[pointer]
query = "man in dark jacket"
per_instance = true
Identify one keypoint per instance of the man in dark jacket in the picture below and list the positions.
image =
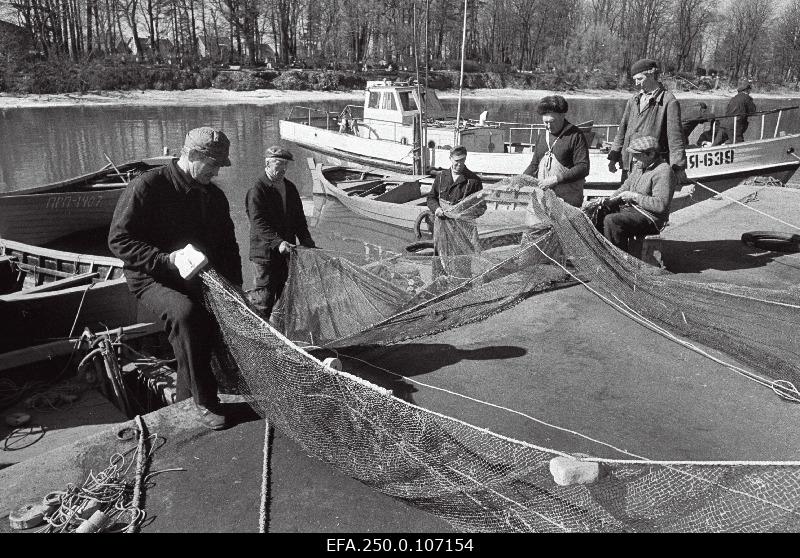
(454, 232)
(740, 105)
(277, 223)
(655, 112)
(158, 214)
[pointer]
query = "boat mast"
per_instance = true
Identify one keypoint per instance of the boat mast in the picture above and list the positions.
(461, 80)
(420, 164)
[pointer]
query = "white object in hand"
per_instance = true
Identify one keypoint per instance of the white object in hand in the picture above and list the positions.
(284, 247)
(190, 261)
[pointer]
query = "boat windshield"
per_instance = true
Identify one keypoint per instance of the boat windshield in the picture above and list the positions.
(407, 101)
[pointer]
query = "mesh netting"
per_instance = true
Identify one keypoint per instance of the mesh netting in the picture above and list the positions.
(473, 478)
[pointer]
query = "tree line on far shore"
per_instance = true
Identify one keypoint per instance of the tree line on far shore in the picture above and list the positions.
(75, 45)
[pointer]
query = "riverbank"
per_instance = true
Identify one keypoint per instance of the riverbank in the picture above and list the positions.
(204, 97)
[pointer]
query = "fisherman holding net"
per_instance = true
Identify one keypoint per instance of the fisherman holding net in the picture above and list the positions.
(561, 161)
(456, 200)
(641, 205)
(167, 221)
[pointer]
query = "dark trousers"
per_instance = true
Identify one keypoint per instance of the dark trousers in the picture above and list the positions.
(625, 224)
(269, 280)
(190, 330)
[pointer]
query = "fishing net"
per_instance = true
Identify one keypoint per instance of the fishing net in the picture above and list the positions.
(471, 477)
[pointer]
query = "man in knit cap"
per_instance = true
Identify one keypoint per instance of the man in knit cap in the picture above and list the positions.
(158, 214)
(654, 112)
(277, 223)
(740, 105)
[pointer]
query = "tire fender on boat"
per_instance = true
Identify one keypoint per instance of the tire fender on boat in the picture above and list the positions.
(426, 216)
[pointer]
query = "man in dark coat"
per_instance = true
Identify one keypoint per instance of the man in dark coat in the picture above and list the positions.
(455, 234)
(740, 105)
(277, 223)
(158, 214)
(654, 112)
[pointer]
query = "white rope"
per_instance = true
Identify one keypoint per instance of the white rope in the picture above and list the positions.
(266, 469)
(745, 205)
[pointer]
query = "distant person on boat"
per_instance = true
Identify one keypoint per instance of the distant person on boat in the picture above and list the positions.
(739, 106)
(158, 214)
(713, 135)
(277, 224)
(655, 112)
(698, 119)
(455, 234)
(561, 160)
(641, 205)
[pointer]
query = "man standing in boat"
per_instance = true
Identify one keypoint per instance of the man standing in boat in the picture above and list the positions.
(739, 106)
(654, 112)
(277, 223)
(454, 232)
(160, 213)
(561, 161)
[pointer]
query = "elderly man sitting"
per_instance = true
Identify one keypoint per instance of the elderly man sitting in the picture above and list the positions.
(642, 202)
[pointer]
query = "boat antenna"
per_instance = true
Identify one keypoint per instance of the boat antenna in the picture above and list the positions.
(427, 54)
(461, 80)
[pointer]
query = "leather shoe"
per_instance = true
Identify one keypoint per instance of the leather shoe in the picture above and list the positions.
(209, 418)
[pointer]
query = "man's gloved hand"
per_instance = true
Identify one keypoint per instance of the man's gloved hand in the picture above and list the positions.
(172, 257)
(188, 261)
(628, 196)
(285, 247)
(440, 213)
(614, 157)
(680, 173)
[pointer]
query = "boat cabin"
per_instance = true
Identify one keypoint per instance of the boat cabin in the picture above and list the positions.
(389, 111)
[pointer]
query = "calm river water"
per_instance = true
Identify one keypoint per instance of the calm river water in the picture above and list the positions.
(41, 145)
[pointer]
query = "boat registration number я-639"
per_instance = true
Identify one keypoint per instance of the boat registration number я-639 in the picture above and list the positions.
(711, 159)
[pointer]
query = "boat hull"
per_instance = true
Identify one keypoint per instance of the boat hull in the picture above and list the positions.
(767, 157)
(47, 304)
(40, 215)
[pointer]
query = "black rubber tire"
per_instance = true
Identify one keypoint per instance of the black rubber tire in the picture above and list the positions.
(772, 240)
(426, 216)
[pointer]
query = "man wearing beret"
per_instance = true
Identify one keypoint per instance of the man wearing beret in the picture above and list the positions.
(641, 205)
(158, 214)
(740, 105)
(654, 112)
(277, 223)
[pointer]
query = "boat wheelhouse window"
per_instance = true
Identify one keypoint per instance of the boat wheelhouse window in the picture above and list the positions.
(407, 101)
(374, 99)
(387, 101)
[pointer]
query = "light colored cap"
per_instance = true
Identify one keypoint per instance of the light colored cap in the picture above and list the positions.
(210, 142)
(278, 152)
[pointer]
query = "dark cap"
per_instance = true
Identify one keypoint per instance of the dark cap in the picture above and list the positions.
(210, 142)
(643, 65)
(458, 153)
(278, 152)
(642, 144)
(744, 85)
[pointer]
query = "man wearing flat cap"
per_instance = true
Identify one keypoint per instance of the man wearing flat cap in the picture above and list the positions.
(160, 213)
(455, 234)
(654, 112)
(740, 105)
(641, 205)
(277, 224)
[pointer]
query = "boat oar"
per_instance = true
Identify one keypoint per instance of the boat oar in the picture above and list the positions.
(116, 170)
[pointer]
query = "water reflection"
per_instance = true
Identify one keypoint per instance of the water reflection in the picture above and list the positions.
(42, 145)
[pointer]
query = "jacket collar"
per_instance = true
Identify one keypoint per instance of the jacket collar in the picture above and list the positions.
(656, 98)
(267, 181)
(182, 181)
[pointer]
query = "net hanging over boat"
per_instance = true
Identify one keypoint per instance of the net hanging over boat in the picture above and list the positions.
(473, 478)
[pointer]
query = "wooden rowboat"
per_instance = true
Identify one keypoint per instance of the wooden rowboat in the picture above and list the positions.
(41, 214)
(401, 199)
(47, 295)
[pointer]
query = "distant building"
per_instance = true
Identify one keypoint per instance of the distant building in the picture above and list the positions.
(15, 40)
